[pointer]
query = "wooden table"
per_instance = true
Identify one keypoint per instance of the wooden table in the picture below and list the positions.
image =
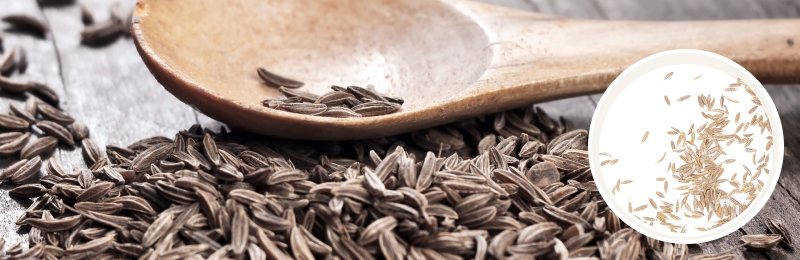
(110, 90)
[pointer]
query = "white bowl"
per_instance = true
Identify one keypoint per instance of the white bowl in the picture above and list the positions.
(635, 104)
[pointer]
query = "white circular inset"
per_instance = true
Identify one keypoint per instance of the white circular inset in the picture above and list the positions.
(686, 146)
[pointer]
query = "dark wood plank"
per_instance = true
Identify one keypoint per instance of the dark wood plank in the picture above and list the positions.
(42, 67)
(781, 8)
(783, 205)
(516, 4)
(727, 242)
(679, 10)
(785, 201)
(108, 88)
(208, 122)
(586, 9)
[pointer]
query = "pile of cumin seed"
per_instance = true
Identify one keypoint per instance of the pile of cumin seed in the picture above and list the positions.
(488, 192)
(352, 101)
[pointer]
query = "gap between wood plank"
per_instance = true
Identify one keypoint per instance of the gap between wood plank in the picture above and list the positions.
(596, 6)
(58, 154)
(781, 185)
(55, 48)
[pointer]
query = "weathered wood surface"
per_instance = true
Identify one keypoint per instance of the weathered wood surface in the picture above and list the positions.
(43, 67)
(109, 89)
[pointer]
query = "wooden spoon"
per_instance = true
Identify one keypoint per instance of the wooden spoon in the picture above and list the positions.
(449, 59)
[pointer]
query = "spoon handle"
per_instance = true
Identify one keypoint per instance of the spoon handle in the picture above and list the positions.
(566, 57)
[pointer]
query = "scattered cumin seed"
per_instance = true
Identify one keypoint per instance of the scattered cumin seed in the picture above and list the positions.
(749, 90)
(662, 158)
(731, 99)
(729, 161)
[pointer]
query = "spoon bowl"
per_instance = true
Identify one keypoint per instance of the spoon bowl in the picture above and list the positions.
(448, 59)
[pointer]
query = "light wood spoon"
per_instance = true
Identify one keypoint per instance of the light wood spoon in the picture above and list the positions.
(449, 59)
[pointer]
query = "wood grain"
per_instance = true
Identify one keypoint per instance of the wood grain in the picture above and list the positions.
(110, 90)
(42, 67)
(516, 4)
(781, 8)
(587, 9)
